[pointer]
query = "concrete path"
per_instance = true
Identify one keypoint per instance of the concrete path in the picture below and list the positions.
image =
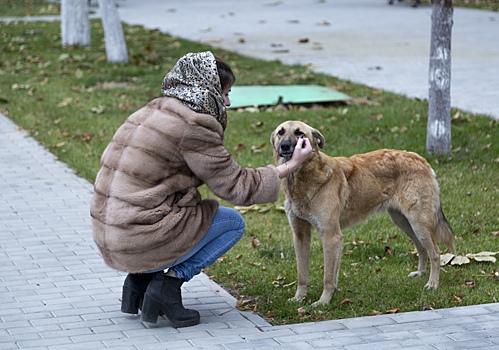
(365, 41)
(56, 293)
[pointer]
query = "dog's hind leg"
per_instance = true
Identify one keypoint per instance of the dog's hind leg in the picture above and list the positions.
(423, 234)
(425, 231)
(401, 221)
(301, 239)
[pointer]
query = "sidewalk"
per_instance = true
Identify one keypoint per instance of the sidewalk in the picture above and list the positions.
(57, 294)
(365, 41)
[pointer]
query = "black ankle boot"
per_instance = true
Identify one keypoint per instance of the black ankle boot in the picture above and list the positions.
(163, 293)
(134, 288)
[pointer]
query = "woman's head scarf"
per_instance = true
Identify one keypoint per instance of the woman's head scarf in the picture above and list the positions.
(194, 80)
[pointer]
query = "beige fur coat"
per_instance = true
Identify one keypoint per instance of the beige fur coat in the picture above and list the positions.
(146, 209)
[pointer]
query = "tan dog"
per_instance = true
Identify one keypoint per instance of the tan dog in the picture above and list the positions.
(333, 193)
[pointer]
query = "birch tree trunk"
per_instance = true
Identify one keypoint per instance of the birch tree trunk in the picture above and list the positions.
(438, 136)
(75, 25)
(116, 50)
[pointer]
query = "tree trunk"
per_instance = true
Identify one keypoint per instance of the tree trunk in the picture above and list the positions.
(438, 137)
(75, 25)
(116, 50)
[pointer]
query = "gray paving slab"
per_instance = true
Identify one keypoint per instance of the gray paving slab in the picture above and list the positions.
(55, 291)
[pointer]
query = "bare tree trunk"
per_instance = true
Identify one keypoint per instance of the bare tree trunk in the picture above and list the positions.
(75, 25)
(116, 50)
(438, 137)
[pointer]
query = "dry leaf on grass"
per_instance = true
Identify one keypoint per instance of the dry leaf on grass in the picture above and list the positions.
(66, 102)
(255, 242)
(245, 303)
(395, 310)
(445, 259)
(460, 260)
(346, 301)
(483, 256)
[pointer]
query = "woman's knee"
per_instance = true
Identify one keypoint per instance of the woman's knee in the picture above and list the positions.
(235, 216)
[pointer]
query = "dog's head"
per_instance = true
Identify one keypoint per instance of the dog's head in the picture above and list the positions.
(286, 135)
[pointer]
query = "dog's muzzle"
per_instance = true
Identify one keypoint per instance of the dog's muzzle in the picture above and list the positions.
(286, 149)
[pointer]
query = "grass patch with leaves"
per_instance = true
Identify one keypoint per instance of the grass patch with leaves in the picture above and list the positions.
(72, 102)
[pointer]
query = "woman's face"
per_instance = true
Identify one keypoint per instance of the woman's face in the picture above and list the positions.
(225, 94)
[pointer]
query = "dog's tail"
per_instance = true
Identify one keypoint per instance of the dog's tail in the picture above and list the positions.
(444, 233)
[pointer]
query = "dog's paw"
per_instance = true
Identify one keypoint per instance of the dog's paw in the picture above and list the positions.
(297, 299)
(431, 285)
(324, 299)
(319, 303)
(416, 274)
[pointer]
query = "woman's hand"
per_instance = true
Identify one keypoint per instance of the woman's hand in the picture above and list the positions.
(301, 153)
(303, 150)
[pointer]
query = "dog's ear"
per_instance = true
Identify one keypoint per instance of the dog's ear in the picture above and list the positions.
(319, 138)
(272, 138)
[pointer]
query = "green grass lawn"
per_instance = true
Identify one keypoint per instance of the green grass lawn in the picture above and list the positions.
(72, 102)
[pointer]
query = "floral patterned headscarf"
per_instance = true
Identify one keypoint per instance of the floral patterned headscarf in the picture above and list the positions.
(194, 80)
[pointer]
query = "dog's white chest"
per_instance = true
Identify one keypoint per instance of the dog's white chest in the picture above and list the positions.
(301, 211)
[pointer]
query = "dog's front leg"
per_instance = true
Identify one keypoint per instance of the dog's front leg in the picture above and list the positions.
(301, 239)
(332, 243)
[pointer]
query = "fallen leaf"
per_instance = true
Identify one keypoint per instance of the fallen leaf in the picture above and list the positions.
(483, 256)
(323, 23)
(255, 242)
(279, 281)
(456, 116)
(460, 260)
(63, 57)
(65, 102)
(20, 87)
(388, 250)
(99, 109)
(393, 311)
(446, 258)
(245, 303)
(346, 301)
(470, 284)
(84, 137)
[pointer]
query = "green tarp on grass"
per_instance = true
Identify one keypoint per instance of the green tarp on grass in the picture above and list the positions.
(248, 96)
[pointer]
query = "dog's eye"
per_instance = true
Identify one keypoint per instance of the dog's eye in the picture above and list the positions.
(281, 132)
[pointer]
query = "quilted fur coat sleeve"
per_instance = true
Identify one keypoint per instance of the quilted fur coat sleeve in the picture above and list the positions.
(146, 209)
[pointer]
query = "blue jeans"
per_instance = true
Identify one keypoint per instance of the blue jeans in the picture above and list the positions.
(225, 231)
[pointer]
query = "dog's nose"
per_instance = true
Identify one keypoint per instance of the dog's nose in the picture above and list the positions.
(286, 149)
